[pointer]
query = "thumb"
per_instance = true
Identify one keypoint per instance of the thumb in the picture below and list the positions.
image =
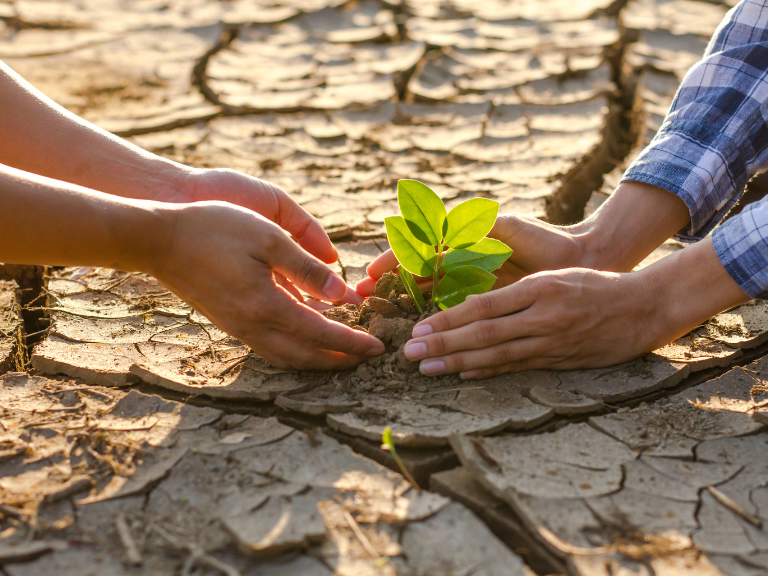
(306, 271)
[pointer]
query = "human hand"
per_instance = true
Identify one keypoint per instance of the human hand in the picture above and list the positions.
(576, 318)
(563, 319)
(260, 196)
(228, 263)
(267, 199)
(536, 246)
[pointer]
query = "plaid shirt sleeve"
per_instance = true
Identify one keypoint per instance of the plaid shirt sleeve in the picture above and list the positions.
(714, 139)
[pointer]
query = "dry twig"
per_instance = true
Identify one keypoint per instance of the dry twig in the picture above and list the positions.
(131, 549)
(360, 535)
(733, 506)
(197, 554)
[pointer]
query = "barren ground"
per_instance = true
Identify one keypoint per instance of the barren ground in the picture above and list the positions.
(137, 438)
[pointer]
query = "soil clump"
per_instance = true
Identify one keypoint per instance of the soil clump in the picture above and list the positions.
(390, 316)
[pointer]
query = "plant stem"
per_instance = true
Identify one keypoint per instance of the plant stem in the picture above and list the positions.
(436, 274)
(403, 469)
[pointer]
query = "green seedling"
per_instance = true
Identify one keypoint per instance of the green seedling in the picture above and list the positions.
(389, 445)
(430, 242)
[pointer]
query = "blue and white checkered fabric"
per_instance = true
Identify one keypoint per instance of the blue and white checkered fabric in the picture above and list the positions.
(714, 139)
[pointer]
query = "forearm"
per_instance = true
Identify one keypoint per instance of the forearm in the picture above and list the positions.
(41, 137)
(686, 289)
(633, 222)
(50, 222)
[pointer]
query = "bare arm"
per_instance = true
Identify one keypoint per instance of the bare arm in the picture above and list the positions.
(220, 258)
(41, 137)
(46, 221)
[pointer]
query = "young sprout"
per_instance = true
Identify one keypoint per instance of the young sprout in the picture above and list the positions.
(419, 238)
(388, 444)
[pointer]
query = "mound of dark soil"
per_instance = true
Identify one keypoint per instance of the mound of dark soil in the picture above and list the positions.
(390, 316)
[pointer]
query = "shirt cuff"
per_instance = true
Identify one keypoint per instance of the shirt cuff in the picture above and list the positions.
(699, 165)
(741, 243)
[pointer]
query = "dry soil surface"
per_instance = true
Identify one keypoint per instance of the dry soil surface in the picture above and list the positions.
(137, 438)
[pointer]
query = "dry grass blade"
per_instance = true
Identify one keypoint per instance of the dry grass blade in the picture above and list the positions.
(360, 535)
(126, 538)
(729, 503)
(197, 554)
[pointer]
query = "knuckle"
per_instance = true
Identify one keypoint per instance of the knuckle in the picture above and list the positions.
(456, 363)
(502, 355)
(438, 345)
(540, 284)
(481, 305)
(485, 332)
(273, 241)
(311, 273)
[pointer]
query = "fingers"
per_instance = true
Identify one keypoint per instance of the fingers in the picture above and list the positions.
(351, 297)
(303, 226)
(492, 304)
(384, 263)
(317, 331)
(283, 350)
(366, 286)
(480, 334)
(281, 280)
(520, 354)
(318, 305)
(302, 269)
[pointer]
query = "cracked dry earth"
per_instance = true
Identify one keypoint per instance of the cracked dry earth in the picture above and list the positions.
(137, 438)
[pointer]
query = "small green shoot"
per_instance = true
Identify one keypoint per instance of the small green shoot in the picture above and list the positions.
(389, 445)
(427, 241)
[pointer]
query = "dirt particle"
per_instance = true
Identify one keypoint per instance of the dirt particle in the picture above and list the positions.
(392, 331)
(387, 284)
(385, 308)
(365, 373)
(346, 314)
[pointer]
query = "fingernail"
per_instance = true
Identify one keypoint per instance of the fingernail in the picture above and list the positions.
(432, 367)
(376, 349)
(335, 289)
(415, 350)
(422, 330)
(470, 374)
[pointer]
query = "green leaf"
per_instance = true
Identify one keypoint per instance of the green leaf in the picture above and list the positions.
(460, 282)
(487, 254)
(470, 222)
(415, 256)
(413, 290)
(422, 209)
